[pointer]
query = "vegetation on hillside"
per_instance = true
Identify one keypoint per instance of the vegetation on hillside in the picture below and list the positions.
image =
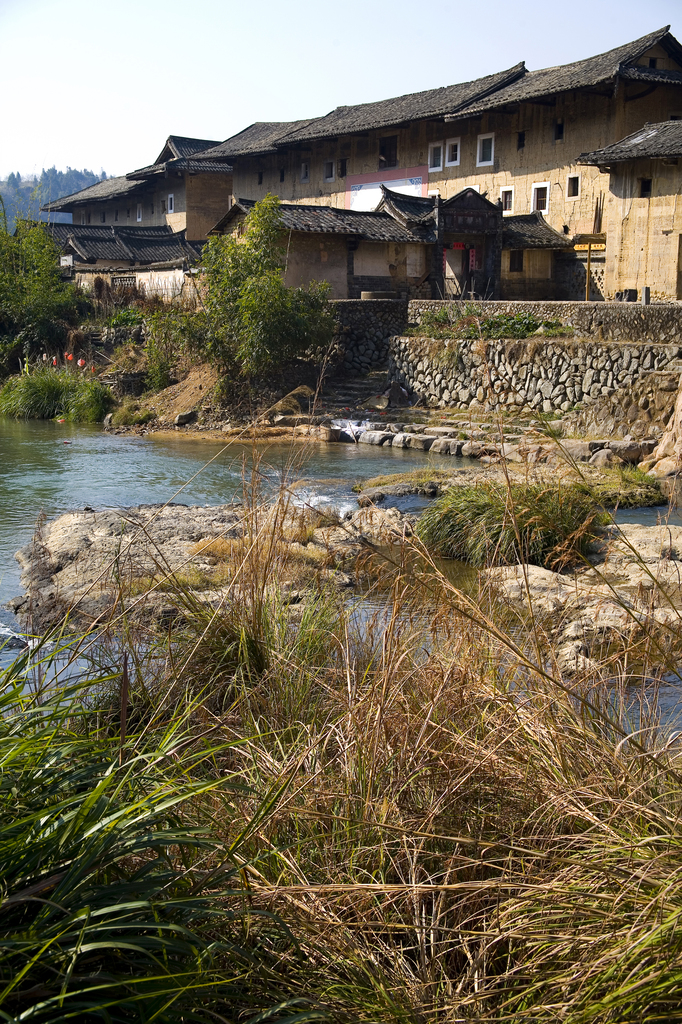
(22, 197)
(467, 321)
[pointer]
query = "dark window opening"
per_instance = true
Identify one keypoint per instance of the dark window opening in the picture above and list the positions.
(541, 200)
(260, 177)
(573, 186)
(566, 229)
(343, 167)
(516, 261)
(329, 170)
(88, 218)
(115, 215)
(507, 199)
(653, 61)
(645, 188)
(128, 214)
(151, 207)
(520, 140)
(558, 131)
(281, 174)
(388, 151)
(103, 217)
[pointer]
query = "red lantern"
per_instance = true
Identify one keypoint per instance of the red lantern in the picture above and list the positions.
(54, 360)
(81, 363)
(70, 357)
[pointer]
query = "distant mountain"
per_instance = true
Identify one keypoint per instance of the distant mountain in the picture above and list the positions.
(23, 197)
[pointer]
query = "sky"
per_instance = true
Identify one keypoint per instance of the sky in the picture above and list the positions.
(101, 85)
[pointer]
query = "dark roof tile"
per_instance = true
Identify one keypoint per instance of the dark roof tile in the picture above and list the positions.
(110, 188)
(127, 245)
(660, 140)
(531, 231)
(260, 137)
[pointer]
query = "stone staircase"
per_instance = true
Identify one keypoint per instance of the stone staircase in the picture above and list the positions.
(347, 398)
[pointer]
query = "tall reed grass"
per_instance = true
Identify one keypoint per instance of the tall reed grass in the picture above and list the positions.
(46, 393)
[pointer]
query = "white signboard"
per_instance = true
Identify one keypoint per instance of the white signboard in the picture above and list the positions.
(368, 196)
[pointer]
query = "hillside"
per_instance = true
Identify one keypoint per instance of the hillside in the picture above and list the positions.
(23, 197)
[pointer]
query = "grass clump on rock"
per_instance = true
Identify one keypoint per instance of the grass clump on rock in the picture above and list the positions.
(496, 524)
(46, 394)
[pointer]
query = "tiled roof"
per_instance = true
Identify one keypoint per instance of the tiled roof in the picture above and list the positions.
(410, 107)
(663, 139)
(181, 147)
(110, 188)
(261, 137)
(660, 76)
(128, 245)
(579, 75)
(182, 164)
(531, 231)
(374, 227)
(407, 209)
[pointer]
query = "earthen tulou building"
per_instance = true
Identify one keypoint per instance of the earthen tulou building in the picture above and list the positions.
(495, 188)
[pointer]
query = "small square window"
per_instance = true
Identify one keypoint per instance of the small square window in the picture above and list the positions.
(516, 261)
(645, 188)
(103, 217)
(171, 203)
(305, 171)
(540, 201)
(558, 131)
(507, 197)
(436, 156)
(573, 186)
(388, 151)
(329, 170)
(343, 167)
(520, 140)
(485, 152)
(281, 174)
(139, 212)
(452, 153)
(653, 61)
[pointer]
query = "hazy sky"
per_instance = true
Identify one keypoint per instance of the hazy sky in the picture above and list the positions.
(101, 85)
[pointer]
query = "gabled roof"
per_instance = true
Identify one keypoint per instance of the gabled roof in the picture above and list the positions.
(261, 137)
(179, 147)
(330, 220)
(110, 188)
(582, 74)
(409, 210)
(653, 141)
(531, 231)
(127, 245)
(414, 106)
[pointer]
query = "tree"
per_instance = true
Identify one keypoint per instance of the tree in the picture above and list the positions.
(252, 317)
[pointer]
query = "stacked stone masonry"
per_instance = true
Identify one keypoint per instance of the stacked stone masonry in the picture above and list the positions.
(365, 329)
(536, 373)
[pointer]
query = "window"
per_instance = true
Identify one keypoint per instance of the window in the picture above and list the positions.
(171, 203)
(652, 62)
(305, 171)
(507, 197)
(516, 261)
(645, 188)
(343, 167)
(540, 201)
(573, 186)
(329, 170)
(164, 208)
(139, 212)
(260, 177)
(281, 174)
(115, 215)
(675, 117)
(151, 208)
(485, 151)
(452, 153)
(88, 218)
(388, 151)
(103, 217)
(83, 218)
(128, 214)
(520, 140)
(436, 156)
(558, 131)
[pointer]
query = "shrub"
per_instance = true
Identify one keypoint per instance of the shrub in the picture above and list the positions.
(129, 317)
(46, 393)
(471, 323)
(546, 525)
(129, 413)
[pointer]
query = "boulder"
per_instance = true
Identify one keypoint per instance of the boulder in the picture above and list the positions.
(628, 451)
(400, 440)
(375, 437)
(183, 418)
(605, 458)
(422, 442)
(441, 446)
(378, 402)
(398, 397)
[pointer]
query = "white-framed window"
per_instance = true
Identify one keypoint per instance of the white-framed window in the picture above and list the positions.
(507, 198)
(305, 171)
(170, 203)
(452, 153)
(573, 186)
(436, 156)
(485, 150)
(139, 212)
(329, 170)
(540, 196)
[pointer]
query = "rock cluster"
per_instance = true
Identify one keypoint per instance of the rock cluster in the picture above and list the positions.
(365, 330)
(639, 409)
(544, 375)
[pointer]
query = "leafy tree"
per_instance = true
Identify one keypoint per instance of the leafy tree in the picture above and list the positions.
(36, 306)
(251, 316)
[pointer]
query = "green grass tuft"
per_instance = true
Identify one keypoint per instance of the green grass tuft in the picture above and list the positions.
(546, 525)
(46, 394)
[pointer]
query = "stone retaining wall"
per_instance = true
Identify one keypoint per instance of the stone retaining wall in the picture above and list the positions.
(364, 332)
(610, 321)
(544, 374)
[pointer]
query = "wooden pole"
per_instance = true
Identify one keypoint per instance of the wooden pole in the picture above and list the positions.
(588, 275)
